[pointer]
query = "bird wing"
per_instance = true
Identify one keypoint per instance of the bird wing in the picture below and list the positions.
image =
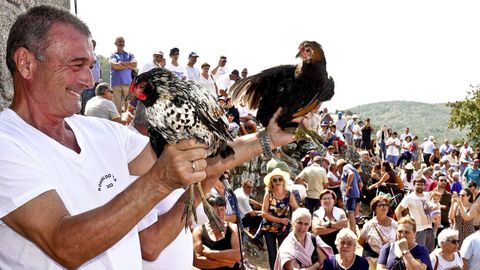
(209, 111)
(253, 88)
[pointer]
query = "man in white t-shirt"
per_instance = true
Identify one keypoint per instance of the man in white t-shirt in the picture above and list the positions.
(193, 73)
(250, 218)
(224, 82)
(157, 61)
(428, 147)
(66, 195)
(470, 251)
(417, 205)
(348, 133)
(340, 123)
(102, 105)
(393, 148)
(220, 70)
(175, 67)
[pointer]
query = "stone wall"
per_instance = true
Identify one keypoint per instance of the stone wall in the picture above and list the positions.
(9, 9)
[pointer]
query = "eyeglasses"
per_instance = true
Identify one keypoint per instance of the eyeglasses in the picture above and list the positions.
(454, 241)
(276, 179)
(383, 205)
(249, 187)
(348, 243)
(327, 198)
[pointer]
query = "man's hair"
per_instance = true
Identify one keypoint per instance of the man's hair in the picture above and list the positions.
(216, 200)
(408, 220)
(30, 31)
(102, 88)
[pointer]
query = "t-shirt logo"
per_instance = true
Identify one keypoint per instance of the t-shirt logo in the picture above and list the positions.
(106, 181)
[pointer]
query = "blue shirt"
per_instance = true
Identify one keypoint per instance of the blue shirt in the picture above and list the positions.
(387, 256)
(354, 190)
(472, 174)
(118, 77)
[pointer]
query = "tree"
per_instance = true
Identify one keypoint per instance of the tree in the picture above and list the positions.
(105, 66)
(465, 114)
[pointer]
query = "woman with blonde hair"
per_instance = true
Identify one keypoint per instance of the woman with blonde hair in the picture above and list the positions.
(346, 243)
(301, 249)
(277, 204)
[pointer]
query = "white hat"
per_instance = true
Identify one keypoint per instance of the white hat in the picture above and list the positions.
(409, 166)
(276, 171)
(354, 116)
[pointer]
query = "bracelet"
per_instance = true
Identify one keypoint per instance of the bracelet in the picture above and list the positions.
(265, 143)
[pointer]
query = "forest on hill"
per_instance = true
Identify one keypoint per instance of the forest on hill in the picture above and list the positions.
(423, 119)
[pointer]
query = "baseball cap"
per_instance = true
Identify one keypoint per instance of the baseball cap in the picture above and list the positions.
(158, 53)
(193, 54)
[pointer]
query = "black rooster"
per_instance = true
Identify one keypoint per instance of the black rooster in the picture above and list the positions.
(177, 110)
(298, 89)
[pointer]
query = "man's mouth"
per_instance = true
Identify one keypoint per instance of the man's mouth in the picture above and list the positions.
(74, 93)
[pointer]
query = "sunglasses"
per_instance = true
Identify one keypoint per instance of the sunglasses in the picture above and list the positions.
(383, 205)
(453, 241)
(276, 179)
(348, 243)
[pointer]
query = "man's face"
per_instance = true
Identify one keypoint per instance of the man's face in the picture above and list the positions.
(442, 181)
(60, 80)
(419, 186)
(192, 60)
(248, 188)
(223, 61)
(157, 58)
(120, 43)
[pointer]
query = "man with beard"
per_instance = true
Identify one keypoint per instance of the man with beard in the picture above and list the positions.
(417, 205)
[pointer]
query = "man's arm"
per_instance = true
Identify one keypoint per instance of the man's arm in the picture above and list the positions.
(73, 240)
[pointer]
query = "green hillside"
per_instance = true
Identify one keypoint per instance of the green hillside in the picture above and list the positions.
(423, 119)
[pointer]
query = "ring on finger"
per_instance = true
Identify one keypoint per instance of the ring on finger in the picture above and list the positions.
(193, 166)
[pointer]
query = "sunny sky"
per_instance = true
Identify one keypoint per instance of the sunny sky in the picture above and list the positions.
(426, 51)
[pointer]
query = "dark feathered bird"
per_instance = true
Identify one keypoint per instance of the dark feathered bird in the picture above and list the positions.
(178, 110)
(297, 88)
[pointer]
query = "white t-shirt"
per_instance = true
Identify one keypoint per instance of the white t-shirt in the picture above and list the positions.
(340, 124)
(357, 132)
(338, 213)
(471, 250)
(178, 254)
(418, 208)
(148, 66)
(99, 106)
(221, 71)
(243, 202)
(193, 73)
(224, 82)
(209, 84)
(444, 264)
(428, 147)
(331, 175)
(393, 150)
(33, 163)
(179, 70)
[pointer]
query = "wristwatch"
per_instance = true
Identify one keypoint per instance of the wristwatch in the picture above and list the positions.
(405, 252)
(265, 143)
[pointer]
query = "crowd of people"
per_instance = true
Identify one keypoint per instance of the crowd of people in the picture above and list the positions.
(76, 196)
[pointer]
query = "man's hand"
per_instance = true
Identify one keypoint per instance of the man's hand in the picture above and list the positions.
(181, 164)
(277, 136)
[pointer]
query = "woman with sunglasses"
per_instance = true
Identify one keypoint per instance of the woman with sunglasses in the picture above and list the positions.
(328, 220)
(447, 256)
(460, 214)
(378, 231)
(346, 243)
(276, 208)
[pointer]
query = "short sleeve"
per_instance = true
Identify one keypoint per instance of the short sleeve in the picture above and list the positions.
(21, 177)
(405, 202)
(383, 256)
(466, 250)
(111, 110)
(134, 142)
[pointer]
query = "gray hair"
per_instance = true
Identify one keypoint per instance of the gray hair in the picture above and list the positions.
(345, 233)
(299, 213)
(246, 181)
(31, 30)
(102, 88)
(445, 234)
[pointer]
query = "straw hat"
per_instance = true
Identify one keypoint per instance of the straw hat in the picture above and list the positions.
(341, 162)
(276, 172)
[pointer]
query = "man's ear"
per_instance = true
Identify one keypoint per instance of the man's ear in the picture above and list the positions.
(26, 62)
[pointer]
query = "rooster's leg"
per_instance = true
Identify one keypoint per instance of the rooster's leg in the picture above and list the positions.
(189, 208)
(213, 218)
(302, 133)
